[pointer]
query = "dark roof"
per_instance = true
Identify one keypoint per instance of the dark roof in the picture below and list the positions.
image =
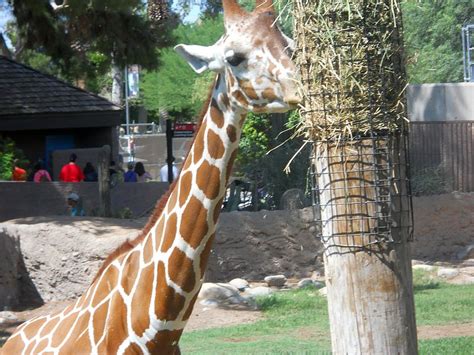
(24, 90)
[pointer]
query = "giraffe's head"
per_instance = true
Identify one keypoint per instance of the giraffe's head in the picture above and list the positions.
(254, 57)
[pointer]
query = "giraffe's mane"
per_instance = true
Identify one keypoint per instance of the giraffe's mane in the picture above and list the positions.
(160, 205)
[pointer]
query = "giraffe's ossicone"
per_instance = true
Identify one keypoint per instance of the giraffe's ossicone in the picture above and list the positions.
(143, 295)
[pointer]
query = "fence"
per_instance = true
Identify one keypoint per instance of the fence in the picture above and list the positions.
(447, 145)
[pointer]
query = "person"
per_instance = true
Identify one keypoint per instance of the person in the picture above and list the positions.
(164, 171)
(18, 174)
(90, 174)
(142, 175)
(75, 205)
(71, 172)
(130, 175)
(40, 174)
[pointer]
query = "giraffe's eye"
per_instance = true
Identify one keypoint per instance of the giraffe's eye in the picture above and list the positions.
(235, 59)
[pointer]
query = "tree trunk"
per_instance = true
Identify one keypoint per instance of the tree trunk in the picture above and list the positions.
(117, 84)
(365, 211)
(104, 182)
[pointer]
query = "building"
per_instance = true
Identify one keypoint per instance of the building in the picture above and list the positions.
(43, 114)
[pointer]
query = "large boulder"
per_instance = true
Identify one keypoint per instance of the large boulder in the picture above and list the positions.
(59, 255)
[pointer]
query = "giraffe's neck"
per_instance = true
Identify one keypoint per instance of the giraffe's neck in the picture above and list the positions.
(161, 277)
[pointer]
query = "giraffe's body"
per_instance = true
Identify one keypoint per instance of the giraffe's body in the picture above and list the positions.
(141, 299)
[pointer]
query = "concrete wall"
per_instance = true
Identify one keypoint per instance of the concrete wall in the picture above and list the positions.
(441, 102)
(26, 199)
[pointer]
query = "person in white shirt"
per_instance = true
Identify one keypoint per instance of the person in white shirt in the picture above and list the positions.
(164, 171)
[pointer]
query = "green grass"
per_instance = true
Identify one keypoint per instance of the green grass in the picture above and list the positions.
(297, 322)
(447, 346)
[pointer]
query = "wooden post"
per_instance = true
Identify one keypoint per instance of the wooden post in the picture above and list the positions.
(104, 182)
(368, 277)
(352, 68)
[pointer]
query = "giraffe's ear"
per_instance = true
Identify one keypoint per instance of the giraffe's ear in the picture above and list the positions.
(200, 58)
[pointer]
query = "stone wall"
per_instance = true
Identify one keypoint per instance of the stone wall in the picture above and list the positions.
(27, 199)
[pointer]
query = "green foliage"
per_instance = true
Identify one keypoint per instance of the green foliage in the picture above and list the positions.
(432, 33)
(171, 86)
(8, 153)
(266, 147)
(254, 142)
(80, 40)
(430, 181)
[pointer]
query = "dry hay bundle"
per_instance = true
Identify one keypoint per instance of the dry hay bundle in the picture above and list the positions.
(350, 54)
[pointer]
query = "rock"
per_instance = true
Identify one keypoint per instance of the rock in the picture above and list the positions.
(275, 280)
(468, 262)
(466, 253)
(416, 262)
(305, 283)
(448, 273)
(308, 282)
(259, 291)
(323, 291)
(469, 270)
(240, 284)
(424, 267)
(218, 291)
(8, 317)
(463, 280)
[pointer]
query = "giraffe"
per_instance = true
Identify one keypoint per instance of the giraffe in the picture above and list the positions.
(144, 293)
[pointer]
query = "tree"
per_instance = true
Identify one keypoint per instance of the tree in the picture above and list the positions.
(175, 86)
(432, 31)
(84, 38)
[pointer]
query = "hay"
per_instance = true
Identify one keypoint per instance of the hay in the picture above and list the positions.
(350, 54)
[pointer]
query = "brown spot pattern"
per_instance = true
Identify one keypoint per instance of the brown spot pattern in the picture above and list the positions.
(117, 326)
(159, 232)
(108, 281)
(185, 187)
(269, 94)
(141, 301)
(232, 133)
(196, 216)
(130, 271)
(239, 96)
(208, 179)
(148, 250)
(216, 114)
(199, 144)
(170, 233)
(99, 318)
(224, 99)
(40, 346)
(215, 145)
(180, 270)
(49, 327)
(172, 200)
(162, 343)
(168, 303)
(132, 349)
(247, 87)
(61, 332)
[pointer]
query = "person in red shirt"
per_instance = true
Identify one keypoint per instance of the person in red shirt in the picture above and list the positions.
(71, 172)
(18, 174)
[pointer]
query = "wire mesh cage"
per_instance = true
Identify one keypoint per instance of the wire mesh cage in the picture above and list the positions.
(352, 68)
